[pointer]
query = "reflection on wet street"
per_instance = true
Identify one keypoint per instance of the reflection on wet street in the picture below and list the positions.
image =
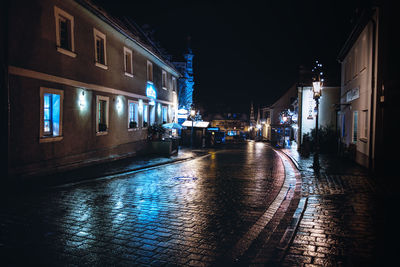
(186, 213)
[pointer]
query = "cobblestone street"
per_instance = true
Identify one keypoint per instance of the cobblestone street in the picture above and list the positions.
(246, 205)
(187, 213)
(340, 225)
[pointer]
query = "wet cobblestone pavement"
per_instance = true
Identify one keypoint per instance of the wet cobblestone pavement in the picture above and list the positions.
(342, 219)
(188, 213)
(243, 206)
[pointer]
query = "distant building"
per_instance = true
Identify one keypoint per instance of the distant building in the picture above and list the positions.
(327, 117)
(234, 125)
(83, 86)
(293, 114)
(186, 84)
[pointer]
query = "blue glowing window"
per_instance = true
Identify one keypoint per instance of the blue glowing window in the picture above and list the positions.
(51, 114)
(164, 114)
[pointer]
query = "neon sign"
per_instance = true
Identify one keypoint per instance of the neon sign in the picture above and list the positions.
(150, 91)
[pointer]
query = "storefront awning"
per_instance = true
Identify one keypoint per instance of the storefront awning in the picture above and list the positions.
(199, 124)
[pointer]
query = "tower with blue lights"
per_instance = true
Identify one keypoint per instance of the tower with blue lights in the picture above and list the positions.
(186, 82)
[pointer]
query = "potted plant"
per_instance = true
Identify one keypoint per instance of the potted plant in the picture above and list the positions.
(155, 131)
(102, 127)
(132, 124)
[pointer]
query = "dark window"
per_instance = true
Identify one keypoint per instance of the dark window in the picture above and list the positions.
(65, 33)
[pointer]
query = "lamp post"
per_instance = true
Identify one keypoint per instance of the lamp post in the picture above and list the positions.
(284, 119)
(192, 116)
(317, 92)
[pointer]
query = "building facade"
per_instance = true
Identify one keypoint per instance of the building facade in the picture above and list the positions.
(327, 116)
(370, 88)
(82, 86)
(358, 92)
(185, 85)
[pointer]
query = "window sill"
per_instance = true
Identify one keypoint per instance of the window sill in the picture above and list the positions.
(364, 140)
(128, 74)
(48, 139)
(101, 66)
(101, 133)
(132, 129)
(66, 52)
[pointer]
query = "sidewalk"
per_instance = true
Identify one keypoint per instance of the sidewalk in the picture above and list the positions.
(109, 168)
(342, 223)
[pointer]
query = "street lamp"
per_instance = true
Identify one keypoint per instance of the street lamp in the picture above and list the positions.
(284, 119)
(192, 116)
(317, 92)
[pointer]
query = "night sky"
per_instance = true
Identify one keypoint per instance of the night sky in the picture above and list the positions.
(246, 50)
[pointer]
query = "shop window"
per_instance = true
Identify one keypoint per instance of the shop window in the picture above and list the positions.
(164, 114)
(145, 115)
(152, 111)
(102, 109)
(51, 106)
(133, 115)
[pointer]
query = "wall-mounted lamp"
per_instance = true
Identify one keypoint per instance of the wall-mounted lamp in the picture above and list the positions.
(82, 100)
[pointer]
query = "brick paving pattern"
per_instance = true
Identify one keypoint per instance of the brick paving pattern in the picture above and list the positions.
(340, 224)
(190, 213)
(198, 212)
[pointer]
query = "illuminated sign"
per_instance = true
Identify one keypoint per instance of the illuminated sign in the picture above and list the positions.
(353, 94)
(183, 111)
(150, 91)
(200, 124)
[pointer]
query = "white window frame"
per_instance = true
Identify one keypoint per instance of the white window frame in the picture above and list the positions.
(50, 138)
(128, 51)
(151, 73)
(164, 80)
(58, 14)
(98, 34)
(137, 115)
(107, 99)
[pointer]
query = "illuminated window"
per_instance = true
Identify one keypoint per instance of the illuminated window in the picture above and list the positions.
(149, 71)
(51, 104)
(128, 66)
(145, 115)
(102, 107)
(152, 113)
(355, 126)
(100, 49)
(133, 117)
(164, 80)
(164, 114)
